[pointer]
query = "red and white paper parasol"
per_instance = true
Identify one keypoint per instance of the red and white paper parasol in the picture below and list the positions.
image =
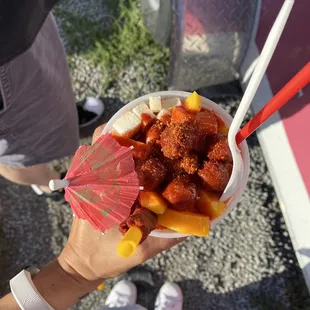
(101, 185)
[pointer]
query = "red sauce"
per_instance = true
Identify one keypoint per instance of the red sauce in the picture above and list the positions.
(146, 121)
(160, 227)
(141, 150)
(140, 137)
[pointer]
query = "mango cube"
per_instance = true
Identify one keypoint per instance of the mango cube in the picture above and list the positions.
(210, 205)
(153, 201)
(222, 129)
(185, 222)
(193, 103)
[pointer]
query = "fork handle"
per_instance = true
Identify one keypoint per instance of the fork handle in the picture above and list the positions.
(299, 81)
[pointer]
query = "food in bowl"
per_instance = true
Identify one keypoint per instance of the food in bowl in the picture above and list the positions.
(183, 163)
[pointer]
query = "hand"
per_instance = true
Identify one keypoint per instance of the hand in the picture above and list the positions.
(93, 255)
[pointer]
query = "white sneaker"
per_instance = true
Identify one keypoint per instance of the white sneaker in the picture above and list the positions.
(170, 297)
(124, 293)
(89, 110)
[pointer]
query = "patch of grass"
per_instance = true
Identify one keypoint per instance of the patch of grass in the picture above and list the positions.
(114, 42)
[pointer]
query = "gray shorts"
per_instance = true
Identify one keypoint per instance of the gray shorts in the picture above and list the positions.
(38, 115)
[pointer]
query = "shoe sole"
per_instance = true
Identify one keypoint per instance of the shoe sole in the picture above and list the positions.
(90, 122)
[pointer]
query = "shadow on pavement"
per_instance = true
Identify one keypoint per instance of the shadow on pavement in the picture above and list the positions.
(252, 296)
(260, 295)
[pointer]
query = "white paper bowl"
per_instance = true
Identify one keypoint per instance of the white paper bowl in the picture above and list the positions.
(167, 233)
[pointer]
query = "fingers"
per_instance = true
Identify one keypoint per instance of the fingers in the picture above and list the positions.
(97, 133)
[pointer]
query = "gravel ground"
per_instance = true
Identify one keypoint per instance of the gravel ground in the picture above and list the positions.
(247, 262)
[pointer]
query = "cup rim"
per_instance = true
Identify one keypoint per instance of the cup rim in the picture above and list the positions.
(209, 104)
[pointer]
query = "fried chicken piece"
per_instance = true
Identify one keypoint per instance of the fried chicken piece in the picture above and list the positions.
(151, 173)
(141, 151)
(169, 146)
(173, 167)
(215, 175)
(219, 149)
(142, 218)
(202, 145)
(189, 163)
(179, 115)
(182, 194)
(206, 123)
(153, 134)
(178, 140)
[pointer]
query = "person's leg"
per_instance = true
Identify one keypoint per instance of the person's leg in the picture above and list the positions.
(39, 175)
(38, 119)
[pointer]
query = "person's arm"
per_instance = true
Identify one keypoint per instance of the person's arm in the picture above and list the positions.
(87, 259)
(8, 303)
(59, 287)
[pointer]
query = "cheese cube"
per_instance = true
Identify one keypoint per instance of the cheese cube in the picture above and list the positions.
(170, 103)
(155, 104)
(127, 125)
(142, 108)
